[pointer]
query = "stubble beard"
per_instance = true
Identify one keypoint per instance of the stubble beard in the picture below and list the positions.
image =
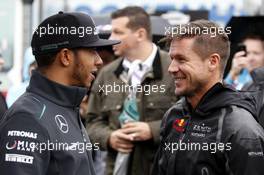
(196, 87)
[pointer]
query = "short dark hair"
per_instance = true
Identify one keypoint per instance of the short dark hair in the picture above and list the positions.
(138, 18)
(46, 60)
(254, 37)
(205, 44)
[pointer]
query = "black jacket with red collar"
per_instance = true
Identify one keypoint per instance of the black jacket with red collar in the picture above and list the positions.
(219, 137)
(41, 134)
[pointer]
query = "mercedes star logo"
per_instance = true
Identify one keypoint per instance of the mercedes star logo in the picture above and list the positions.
(62, 123)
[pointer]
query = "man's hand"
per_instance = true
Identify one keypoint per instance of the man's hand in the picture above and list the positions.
(238, 63)
(120, 141)
(140, 131)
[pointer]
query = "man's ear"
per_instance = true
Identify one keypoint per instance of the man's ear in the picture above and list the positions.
(214, 62)
(65, 57)
(141, 34)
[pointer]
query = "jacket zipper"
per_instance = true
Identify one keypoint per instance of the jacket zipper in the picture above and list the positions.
(185, 129)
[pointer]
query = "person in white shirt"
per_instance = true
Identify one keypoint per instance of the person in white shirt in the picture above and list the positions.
(126, 121)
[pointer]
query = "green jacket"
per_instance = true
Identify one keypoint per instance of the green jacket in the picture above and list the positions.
(104, 109)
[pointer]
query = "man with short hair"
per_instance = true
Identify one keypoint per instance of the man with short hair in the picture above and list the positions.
(42, 133)
(211, 129)
(126, 120)
(244, 62)
(255, 64)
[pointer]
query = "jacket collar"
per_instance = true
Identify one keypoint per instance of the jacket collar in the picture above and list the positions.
(205, 104)
(68, 96)
(157, 69)
(221, 96)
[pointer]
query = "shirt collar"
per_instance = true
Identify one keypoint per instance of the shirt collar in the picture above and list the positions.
(148, 62)
(156, 67)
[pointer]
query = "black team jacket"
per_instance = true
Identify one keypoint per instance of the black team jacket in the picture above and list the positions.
(42, 134)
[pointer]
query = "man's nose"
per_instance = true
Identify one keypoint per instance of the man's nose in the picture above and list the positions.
(98, 61)
(173, 67)
(113, 36)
